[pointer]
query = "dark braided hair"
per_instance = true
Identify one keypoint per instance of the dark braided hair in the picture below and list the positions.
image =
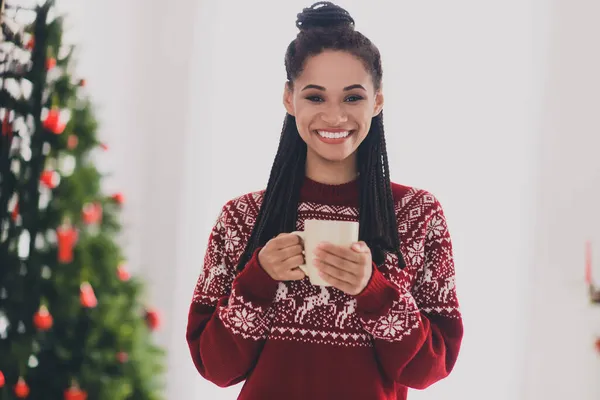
(326, 26)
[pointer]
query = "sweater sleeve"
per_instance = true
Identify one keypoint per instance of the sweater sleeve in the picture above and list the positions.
(417, 332)
(228, 318)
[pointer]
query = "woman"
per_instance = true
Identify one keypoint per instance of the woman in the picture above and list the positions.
(390, 320)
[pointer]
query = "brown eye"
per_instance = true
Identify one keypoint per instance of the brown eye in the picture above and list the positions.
(314, 99)
(353, 99)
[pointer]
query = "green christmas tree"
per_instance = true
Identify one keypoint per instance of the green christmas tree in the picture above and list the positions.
(73, 324)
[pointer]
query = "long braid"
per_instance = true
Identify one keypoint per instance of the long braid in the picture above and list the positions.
(389, 209)
(378, 226)
(279, 211)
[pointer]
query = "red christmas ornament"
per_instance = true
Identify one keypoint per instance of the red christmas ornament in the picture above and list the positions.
(6, 125)
(87, 295)
(50, 63)
(123, 273)
(75, 393)
(53, 122)
(152, 319)
(122, 357)
(15, 212)
(118, 198)
(92, 213)
(72, 142)
(21, 388)
(82, 82)
(30, 43)
(2, 380)
(67, 237)
(50, 179)
(42, 319)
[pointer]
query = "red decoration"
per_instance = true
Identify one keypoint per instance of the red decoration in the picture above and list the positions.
(50, 63)
(82, 82)
(50, 179)
(118, 198)
(122, 272)
(53, 122)
(42, 319)
(6, 125)
(2, 380)
(598, 344)
(87, 296)
(30, 43)
(152, 319)
(75, 393)
(72, 142)
(21, 388)
(104, 146)
(92, 213)
(15, 212)
(67, 237)
(122, 357)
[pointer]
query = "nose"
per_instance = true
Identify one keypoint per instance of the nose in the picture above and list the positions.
(334, 115)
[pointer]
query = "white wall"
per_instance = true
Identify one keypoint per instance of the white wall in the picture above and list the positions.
(562, 362)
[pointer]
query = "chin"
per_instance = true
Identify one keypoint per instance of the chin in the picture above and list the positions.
(335, 157)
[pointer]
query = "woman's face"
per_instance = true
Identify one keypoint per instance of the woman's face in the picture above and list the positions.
(333, 100)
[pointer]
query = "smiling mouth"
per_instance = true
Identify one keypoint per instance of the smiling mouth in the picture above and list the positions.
(336, 136)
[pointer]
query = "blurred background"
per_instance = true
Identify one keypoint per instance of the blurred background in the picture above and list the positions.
(493, 106)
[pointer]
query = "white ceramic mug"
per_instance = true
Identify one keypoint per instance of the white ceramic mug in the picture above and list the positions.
(341, 233)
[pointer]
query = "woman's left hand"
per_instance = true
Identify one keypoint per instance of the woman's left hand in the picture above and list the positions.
(348, 269)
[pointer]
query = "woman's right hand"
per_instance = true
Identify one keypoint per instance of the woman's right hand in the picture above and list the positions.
(281, 256)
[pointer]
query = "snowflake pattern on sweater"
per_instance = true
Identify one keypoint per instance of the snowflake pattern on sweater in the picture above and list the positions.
(305, 313)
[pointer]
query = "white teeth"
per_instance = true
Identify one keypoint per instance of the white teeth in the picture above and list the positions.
(334, 135)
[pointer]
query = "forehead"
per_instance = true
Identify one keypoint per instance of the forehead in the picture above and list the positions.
(334, 70)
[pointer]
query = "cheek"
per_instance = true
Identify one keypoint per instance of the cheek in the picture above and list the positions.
(304, 117)
(363, 118)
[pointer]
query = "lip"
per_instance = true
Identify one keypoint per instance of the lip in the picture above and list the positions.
(334, 130)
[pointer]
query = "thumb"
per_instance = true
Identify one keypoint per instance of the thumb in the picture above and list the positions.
(360, 247)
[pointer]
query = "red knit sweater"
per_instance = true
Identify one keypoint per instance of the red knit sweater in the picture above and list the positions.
(293, 340)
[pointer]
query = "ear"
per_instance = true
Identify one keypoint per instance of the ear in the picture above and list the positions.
(378, 103)
(288, 98)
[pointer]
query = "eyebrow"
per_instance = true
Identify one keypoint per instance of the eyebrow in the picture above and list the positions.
(356, 86)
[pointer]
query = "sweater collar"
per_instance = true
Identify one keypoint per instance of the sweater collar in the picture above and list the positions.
(345, 194)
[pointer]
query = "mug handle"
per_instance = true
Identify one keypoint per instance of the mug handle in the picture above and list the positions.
(303, 266)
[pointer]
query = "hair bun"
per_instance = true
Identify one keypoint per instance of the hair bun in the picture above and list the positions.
(324, 14)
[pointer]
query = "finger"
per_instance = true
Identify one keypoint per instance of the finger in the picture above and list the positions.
(343, 286)
(361, 247)
(272, 244)
(295, 275)
(286, 240)
(345, 253)
(336, 261)
(289, 252)
(293, 262)
(337, 273)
